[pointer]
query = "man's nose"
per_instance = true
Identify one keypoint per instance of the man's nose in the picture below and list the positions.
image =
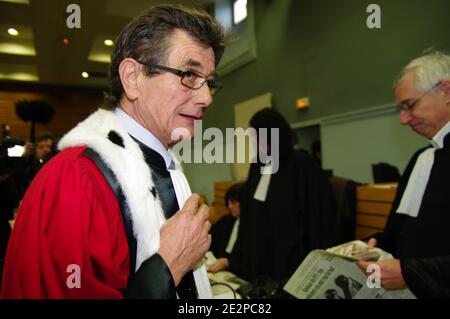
(405, 117)
(204, 96)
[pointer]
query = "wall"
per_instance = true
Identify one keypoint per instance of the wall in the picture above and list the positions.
(306, 136)
(351, 143)
(323, 49)
(71, 105)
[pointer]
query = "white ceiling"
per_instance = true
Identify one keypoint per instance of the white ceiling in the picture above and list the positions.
(38, 54)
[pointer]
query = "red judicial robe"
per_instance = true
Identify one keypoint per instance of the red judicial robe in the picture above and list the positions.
(69, 216)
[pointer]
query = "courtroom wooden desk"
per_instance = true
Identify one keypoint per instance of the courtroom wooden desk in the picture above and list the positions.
(373, 205)
(218, 208)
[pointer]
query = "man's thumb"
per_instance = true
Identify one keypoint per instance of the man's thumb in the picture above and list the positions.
(372, 243)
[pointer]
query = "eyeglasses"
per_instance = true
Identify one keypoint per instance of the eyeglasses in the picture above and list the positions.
(409, 105)
(191, 79)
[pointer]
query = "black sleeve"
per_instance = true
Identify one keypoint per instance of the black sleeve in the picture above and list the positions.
(235, 258)
(220, 233)
(153, 280)
(427, 277)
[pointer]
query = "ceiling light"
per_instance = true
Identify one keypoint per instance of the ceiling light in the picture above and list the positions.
(17, 48)
(17, 1)
(108, 42)
(18, 72)
(85, 75)
(100, 57)
(13, 32)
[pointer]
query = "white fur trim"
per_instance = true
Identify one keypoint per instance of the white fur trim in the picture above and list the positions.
(130, 169)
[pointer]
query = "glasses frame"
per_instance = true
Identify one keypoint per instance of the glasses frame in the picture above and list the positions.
(409, 105)
(214, 85)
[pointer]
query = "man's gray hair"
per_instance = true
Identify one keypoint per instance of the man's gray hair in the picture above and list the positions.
(429, 70)
(147, 39)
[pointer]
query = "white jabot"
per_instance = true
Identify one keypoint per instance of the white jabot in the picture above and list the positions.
(233, 237)
(263, 184)
(180, 185)
(417, 183)
(183, 191)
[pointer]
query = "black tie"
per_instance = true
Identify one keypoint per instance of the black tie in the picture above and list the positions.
(166, 192)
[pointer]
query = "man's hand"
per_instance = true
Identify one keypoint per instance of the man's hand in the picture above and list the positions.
(185, 238)
(219, 265)
(391, 273)
(372, 243)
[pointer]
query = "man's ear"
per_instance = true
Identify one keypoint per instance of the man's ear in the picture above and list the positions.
(129, 71)
(445, 88)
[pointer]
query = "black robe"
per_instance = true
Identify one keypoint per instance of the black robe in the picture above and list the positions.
(297, 217)
(221, 233)
(423, 244)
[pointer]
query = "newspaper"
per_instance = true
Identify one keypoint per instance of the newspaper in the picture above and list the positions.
(333, 274)
(224, 283)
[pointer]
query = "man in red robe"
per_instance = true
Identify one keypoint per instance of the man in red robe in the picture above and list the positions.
(108, 216)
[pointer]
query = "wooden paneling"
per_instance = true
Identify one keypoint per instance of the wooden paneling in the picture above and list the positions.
(218, 209)
(373, 205)
(375, 208)
(376, 221)
(377, 193)
(71, 105)
(365, 232)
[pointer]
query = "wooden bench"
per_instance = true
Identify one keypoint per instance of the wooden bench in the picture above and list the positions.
(373, 205)
(218, 208)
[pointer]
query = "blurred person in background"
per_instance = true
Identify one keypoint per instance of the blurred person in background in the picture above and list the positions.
(285, 214)
(224, 232)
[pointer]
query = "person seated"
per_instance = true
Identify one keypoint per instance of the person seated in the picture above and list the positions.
(224, 232)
